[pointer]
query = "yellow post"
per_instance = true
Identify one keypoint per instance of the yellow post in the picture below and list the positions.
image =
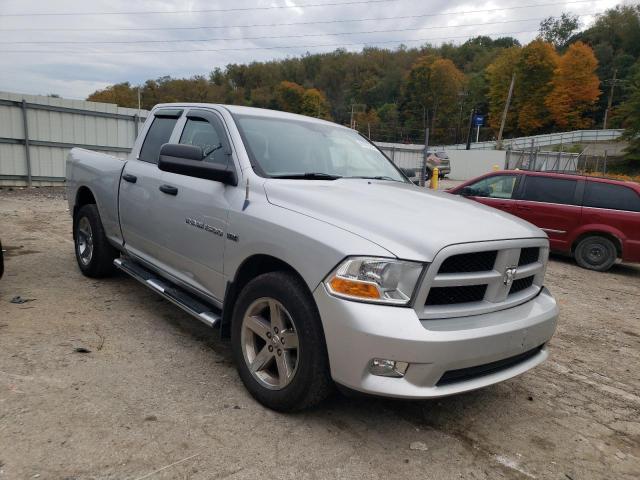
(496, 168)
(434, 179)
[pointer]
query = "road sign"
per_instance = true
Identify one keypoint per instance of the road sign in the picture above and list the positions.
(478, 120)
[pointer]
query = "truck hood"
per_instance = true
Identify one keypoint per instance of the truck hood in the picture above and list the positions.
(408, 221)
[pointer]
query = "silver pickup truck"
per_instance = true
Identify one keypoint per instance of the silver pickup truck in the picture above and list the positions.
(299, 240)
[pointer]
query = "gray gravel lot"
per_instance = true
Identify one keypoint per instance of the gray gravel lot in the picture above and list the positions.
(157, 396)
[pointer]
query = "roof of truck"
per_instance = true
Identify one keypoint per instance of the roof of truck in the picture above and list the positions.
(240, 110)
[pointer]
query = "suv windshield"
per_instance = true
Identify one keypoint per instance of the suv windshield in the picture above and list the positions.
(312, 151)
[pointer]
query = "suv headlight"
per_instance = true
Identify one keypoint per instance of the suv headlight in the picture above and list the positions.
(378, 280)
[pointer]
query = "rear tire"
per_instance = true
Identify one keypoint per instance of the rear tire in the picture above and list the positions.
(278, 343)
(94, 253)
(596, 253)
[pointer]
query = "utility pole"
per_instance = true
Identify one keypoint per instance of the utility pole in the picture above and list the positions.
(504, 113)
(423, 170)
(608, 110)
(351, 123)
(473, 113)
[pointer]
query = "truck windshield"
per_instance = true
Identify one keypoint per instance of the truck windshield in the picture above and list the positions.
(312, 151)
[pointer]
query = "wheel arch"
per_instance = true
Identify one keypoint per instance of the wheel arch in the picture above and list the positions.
(249, 269)
(598, 233)
(84, 196)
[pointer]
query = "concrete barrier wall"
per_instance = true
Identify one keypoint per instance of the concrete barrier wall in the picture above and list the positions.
(467, 164)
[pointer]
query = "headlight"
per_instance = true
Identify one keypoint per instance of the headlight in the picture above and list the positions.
(378, 280)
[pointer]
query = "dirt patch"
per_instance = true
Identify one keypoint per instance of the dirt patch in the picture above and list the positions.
(153, 393)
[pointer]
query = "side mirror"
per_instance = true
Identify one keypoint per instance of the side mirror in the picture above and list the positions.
(467, 192)
(187, 160)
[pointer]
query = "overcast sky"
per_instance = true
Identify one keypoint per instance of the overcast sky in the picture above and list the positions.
(151, 45)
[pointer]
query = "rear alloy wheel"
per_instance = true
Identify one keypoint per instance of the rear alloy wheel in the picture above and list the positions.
(596, 253)
(278, 343)
(94, 253)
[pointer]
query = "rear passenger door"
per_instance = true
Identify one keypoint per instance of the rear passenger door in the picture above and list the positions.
(139, 189)
(553, 204)
(193, 213)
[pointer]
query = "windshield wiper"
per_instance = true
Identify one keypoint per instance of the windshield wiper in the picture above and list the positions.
(308, 176)
(379, 177)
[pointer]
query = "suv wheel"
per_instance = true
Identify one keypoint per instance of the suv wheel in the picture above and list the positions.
(94, 253)
(596, 253)
(278, 343)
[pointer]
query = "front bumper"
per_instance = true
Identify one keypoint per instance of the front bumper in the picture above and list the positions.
(358, 332)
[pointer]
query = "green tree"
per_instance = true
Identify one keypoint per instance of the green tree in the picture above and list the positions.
(557, 31)
(629, 113)
(498, 76)
(315, 104)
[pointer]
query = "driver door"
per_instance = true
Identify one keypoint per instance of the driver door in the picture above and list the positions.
(495, 191)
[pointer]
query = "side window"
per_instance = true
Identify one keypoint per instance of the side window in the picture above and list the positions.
(615, 197)
(158, 134)
(500, 186)
(203, 134)
(551, 190)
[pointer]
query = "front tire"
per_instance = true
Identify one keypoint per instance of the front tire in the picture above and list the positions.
(94, 253)
(596, 253)
(278, 343)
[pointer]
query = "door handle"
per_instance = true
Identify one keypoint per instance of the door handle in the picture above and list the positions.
(526, 209)
(168, 189)
(127, 177)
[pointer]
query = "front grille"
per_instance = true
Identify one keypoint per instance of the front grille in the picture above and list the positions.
(469, 262)
(452, 295)
(469, 373)
(462, 281)
(521, 284)
(528, 256)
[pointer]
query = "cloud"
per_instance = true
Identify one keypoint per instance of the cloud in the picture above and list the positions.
(77, 65)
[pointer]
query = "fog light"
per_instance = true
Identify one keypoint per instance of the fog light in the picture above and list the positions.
(387, 368)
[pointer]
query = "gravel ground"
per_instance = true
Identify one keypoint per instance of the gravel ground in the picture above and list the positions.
(156, 395)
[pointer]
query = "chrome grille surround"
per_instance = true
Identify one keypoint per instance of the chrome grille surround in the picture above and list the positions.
(497, 296)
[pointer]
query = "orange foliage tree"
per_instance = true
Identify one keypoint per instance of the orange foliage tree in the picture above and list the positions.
(575, 88)
(534, 71)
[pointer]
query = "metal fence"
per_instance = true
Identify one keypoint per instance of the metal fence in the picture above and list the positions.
(537, 160)
(563, 138)
(36, 133)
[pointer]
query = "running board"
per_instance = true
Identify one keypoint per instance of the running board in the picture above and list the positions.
(176, 295)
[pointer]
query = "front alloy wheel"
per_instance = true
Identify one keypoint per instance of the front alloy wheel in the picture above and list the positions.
(270, 343)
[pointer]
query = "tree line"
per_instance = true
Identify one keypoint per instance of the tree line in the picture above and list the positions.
(563, 81)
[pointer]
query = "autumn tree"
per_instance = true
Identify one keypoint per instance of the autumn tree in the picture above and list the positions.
(121, 94)
(315, 104)
(575, 88)
(432, 90)
(288, 96)
(534, 71)
(499, 74)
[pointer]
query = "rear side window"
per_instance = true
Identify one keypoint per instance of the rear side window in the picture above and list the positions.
(551, 190)
(158, 134)
(615, 197)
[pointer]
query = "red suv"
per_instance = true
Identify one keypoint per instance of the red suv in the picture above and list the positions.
(594, 219)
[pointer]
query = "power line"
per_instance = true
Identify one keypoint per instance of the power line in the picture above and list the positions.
(205, 27)
(280, 47)
(206, 10)
(361, 32)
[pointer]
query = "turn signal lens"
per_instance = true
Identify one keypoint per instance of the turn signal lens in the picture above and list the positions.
(354, 288)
